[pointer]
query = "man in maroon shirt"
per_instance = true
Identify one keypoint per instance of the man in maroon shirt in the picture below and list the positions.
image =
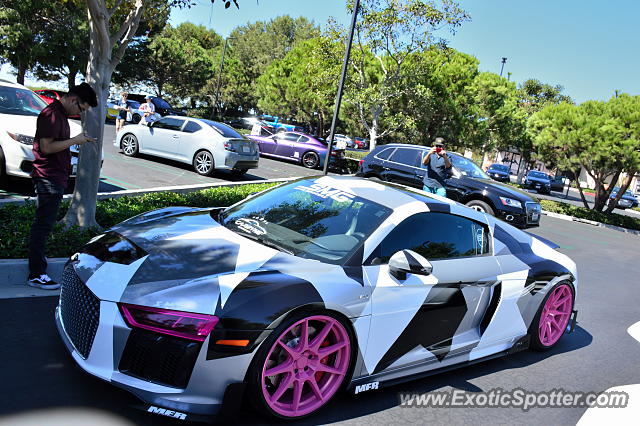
(51, 170)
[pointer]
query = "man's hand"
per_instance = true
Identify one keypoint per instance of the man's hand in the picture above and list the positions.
(83, 138)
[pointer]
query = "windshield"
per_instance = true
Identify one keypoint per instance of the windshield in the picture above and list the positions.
(538, 175)
(161, 103)
(307, 219)
(500, 167)
(223, 129)
(20, 101)
(467, 167)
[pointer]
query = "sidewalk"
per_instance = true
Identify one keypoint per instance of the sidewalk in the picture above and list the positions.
(13, 278)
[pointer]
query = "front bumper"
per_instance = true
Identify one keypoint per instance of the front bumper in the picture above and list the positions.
(204, 391)
(528, 218)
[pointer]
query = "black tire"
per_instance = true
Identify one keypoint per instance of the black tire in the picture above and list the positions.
(310, 160)
(481, 206)
(254, 373)
(536, 343)
(135, 118)
(129, 145)
(203, 163)
(239, 172)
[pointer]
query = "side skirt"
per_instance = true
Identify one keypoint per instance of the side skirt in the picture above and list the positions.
(377, 381)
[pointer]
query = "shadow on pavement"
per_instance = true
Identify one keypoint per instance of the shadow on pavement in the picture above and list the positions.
(39, 374)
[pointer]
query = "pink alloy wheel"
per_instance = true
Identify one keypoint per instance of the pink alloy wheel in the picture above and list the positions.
(555, 315)
(306, 366)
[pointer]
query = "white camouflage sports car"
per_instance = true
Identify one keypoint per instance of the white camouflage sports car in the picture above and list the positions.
(312, 286)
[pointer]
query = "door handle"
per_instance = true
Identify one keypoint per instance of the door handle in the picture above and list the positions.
(175, 136)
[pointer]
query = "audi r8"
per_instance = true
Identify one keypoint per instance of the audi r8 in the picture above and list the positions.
(304, 289)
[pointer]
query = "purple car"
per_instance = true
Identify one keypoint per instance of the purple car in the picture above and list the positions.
(310, 151)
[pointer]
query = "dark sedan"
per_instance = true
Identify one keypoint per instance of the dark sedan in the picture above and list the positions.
(310, 151)
(499, 172)
(468, 184)
(626, 201)
(539, 181)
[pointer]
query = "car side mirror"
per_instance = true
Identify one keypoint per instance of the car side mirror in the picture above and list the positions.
(408, 262)
(149, 123)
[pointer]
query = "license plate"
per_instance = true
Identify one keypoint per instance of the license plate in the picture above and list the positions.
(534, 216)
(246, 149)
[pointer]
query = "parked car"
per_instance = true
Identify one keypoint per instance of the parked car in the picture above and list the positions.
(241, 122)
(49, 96)
(340, 138)
(207, 145)
(162, 107)
(499, 172)
(112, 111)
(310, 151)
(626, 201)
(539, 181)
(558, 182)
(361, 143)
(290, 295)
(19, 109)
(276, 125)
(469, 184)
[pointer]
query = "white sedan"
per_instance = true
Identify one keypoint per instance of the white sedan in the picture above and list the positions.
(207, 145)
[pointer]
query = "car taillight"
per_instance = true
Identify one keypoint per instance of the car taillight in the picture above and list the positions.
(229, 146)
(361, 161)
(187, 325)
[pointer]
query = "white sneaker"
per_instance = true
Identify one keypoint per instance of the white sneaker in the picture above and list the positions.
(44, 282)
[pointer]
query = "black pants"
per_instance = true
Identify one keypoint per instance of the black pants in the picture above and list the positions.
(49, 196)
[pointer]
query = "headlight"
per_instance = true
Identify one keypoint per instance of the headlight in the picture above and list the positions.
(511, 202)
(27, 140)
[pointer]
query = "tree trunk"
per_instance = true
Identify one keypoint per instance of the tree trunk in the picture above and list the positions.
(22, 71)
(625, 185)
(71, 78)
(373, 130)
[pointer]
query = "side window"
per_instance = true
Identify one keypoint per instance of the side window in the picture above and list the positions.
(169, 124)
(406, 156)
(435, 236)
(385, 153)
(291, 137)
(191, 127)
(303, 139)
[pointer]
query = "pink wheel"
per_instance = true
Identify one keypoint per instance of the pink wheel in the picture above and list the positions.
(554, 316)
(305, 366)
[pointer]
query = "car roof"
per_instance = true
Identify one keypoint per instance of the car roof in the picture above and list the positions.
(12, 84)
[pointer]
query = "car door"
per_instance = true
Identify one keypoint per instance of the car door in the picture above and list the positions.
(166, 135)
(268, 144)
(402, 166)
(424, 319)
(190, 140)
(286, 144)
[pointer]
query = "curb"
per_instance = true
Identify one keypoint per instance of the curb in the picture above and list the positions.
(590, 222)
(181, 189)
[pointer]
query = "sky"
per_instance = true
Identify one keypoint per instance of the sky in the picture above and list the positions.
(590, 47)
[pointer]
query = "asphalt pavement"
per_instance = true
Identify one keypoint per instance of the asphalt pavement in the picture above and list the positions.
(39, 378)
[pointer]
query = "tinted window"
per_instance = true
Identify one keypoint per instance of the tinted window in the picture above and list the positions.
(539, 175)
(169, 123)
(223, 129)
(435, 236)
(385, 153)
(500, 167)
(303, 139)
(467, 167)
(291, 137)
(20, 101)
(192, 127)
(161, 103)
(407, 156)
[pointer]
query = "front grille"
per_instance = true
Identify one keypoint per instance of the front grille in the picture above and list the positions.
(79, 311)
(158, 358)
(533, 212)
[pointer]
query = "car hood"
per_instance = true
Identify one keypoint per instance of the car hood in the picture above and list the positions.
(178, 258)
(500, 172)
(26, 124)
(500, 189)
(536, 179)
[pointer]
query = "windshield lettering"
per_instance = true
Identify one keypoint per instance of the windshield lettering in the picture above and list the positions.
(324, 191)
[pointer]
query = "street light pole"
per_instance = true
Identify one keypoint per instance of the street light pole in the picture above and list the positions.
(502, 67)
(345, 62)
(215, 102)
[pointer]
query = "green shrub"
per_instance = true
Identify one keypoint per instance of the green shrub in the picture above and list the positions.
(582, 213)
(16, 219)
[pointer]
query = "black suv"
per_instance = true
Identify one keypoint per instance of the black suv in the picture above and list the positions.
(162, 107)
(468, 184)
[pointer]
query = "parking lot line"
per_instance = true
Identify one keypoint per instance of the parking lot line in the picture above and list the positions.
(141, 163)
(120, 182)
